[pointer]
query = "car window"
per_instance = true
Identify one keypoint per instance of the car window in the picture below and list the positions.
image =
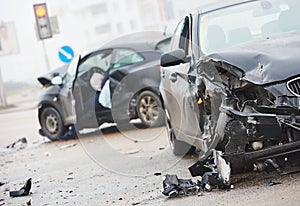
(180, 39)
(125, 57)
(163, 45)
(242, 23)
(100, 60)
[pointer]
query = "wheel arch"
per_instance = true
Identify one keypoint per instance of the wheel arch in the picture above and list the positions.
(44, 104)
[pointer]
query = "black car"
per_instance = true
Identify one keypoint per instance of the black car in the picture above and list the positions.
(231, 86)
(130, 63)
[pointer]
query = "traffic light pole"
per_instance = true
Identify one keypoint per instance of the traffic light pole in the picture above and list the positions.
(46, 56)
(3, 101)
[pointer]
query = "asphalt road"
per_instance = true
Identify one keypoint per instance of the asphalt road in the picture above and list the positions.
(109, 167)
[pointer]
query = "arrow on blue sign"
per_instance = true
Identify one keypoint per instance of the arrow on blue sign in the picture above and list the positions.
(66, 54)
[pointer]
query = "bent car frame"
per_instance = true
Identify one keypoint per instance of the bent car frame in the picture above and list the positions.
(231, 87)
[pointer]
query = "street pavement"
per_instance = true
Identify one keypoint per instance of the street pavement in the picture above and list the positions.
(112, 167)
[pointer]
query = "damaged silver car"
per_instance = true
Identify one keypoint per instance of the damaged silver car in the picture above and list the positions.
(231, 84)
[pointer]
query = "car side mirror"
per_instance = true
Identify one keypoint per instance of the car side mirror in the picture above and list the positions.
(57, 80)
(173, 58)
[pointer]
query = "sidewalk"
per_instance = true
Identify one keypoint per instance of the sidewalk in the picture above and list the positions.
(22, 101)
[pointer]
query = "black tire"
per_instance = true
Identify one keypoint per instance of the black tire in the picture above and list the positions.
(149, 109)
(179, 148)
(52, 123)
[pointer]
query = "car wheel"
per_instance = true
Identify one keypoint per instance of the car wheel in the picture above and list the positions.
(149, 109)
(52, 124)
(179, 148)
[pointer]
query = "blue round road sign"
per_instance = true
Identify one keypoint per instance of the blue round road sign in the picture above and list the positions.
(65, 54)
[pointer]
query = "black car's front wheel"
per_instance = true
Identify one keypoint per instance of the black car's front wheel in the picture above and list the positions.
(52, 123)
(149, 109)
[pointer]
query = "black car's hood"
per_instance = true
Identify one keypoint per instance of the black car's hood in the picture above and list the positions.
(45, 79)
(267, 61)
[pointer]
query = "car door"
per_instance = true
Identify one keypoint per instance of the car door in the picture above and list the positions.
(90, 74)
(66, 94)
(179, 81)
(122, 85)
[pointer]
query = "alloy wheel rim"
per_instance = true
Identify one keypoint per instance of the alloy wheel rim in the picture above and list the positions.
(149, 109)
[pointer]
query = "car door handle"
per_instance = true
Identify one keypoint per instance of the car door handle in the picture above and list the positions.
(173, 77)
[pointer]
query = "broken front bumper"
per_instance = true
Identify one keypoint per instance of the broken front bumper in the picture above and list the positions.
(278, 137)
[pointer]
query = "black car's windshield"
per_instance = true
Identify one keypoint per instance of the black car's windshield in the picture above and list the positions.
(252, 21)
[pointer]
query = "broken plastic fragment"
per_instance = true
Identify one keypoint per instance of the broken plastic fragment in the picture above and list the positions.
(215, 171)
(174, 186)
(23, 191)
(68, 145)
(20, 143)
(29, 202)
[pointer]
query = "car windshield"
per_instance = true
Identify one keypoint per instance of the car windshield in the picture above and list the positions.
(242, 23)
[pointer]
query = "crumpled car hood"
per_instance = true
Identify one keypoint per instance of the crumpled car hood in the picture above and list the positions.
(267, 61)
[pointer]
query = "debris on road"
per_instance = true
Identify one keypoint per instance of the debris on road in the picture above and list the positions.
(174, 186)
(19, 144)
(214, 173)
(47, 154)
(157, 173)
(70, 176)
(2, 183)
(29, 202)
(68, 145)
(23, 191)
(272, 183)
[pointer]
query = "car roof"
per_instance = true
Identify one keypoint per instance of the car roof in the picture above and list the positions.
(139, 41)
(207, 7)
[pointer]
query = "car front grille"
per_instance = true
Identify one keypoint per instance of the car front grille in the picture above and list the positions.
(294, 86)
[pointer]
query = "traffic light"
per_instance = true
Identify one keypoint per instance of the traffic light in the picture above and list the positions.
(42, 21)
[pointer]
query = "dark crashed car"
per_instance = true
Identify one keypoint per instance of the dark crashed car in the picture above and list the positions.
(231, 87)
(131, 63)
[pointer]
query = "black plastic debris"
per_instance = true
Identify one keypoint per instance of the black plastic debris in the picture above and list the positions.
(2, 183)
(173, 186)
(157, 173)
(19, 144)
(272, 183)
(29, 202)
(215, 171)
(23, 191)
